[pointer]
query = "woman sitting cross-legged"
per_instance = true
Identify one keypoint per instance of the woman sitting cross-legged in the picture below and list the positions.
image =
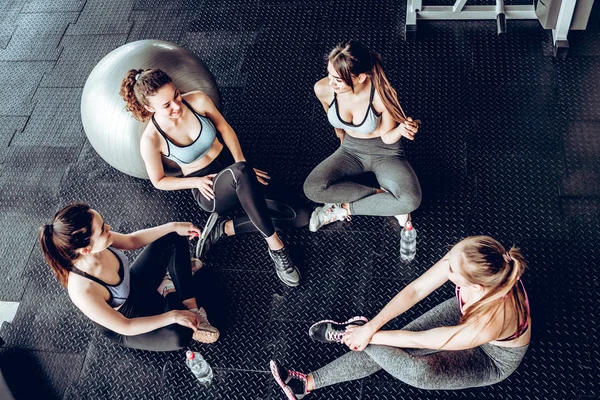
(479, 340)
(147, 305)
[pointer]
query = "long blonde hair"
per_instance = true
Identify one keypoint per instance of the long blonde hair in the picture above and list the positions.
(489, 264)
(352, 58)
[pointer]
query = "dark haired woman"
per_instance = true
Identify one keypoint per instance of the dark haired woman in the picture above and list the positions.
(479, 340)
(137, 305)
(184, 129)
(364, 110)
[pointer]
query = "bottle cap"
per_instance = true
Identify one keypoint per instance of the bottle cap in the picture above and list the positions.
(189, 355)
(408, 226)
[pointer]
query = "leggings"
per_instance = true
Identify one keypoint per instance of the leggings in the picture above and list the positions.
(147, 271)
(235, 185)
(328, 183)
(423, 368)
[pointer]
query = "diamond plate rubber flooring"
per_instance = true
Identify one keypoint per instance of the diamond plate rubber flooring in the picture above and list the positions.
(509, 147)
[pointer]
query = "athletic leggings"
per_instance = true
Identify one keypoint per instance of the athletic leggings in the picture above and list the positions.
(147, 271)
(236, 184)
(328, 183)
(424, 368)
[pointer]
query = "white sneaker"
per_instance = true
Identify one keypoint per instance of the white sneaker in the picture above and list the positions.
(402, 218)
(326, 215)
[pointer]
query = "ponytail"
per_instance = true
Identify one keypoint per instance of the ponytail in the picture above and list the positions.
(70, 230)
(387, 93)
(488, 264)
(137, 85)
(352, 58)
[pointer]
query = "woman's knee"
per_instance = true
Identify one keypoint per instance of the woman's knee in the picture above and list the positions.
(314, 187)
(241, 170)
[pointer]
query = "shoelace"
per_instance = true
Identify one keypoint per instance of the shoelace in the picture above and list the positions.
(334, 336)
(335, 213)
(285, 263)
(300, 376)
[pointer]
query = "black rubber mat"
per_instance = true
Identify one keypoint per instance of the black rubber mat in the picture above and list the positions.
(508, 147)
(79, 56)
(39, 374)
(36, 36)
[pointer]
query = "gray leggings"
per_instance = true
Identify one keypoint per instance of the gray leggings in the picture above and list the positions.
(424, 368)
(328, 183)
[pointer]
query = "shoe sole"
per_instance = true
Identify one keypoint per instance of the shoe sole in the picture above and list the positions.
(313, 216)
(288, 392)
(210, 224)
(325, 321)
(206, 337)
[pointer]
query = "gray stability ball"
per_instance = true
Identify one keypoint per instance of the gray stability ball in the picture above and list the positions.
(111, 130)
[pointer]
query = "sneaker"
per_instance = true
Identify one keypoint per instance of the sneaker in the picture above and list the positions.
(326, 215)
(286, 270)
(213, 231)
(293, 383)
(402, 218)
(206, 333)
(328, 331)
(196, 265)
(166, 285)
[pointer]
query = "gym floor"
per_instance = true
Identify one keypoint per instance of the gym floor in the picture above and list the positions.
(509, 147)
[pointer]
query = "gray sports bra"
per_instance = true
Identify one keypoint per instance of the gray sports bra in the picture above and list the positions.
(120, 291)
(195, 150)
(368, 125)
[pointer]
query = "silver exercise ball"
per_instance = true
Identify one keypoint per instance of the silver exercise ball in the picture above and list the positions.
(112, 131)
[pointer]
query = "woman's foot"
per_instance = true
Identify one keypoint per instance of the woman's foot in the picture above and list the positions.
(326, 215)
(285, 268)
(402, 219)
(213, 231)
(328, 331)
(166, 285)
(293, 383)
(206, 333)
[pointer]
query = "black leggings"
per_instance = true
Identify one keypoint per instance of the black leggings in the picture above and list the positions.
(236, 184)
(147, 271)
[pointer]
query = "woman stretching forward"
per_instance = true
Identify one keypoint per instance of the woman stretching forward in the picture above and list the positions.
(479, 341)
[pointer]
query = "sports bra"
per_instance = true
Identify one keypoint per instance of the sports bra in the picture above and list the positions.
(195, 150)
(369, 123)
(120, 291)
(522, 327)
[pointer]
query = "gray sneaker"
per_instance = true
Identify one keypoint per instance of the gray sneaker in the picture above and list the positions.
(213, 231)
(286, 270)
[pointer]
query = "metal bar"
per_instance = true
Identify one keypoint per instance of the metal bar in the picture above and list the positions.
(563, 22)
(475, 12)
(459, 5)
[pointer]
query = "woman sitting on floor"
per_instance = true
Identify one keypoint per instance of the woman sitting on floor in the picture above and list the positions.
(185, 130)
(137, 305)
(364, 110)
(479, 341)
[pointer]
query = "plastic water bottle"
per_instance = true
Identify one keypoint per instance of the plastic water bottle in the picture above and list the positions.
(199, 367)
(408, 242)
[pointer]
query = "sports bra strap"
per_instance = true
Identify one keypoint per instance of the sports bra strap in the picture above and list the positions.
(79, 272)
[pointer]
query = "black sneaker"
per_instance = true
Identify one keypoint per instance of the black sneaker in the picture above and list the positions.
(286, 270)
(213, 231)
(293, 383)
(328, 331)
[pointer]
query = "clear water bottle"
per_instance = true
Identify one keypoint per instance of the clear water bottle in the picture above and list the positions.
(199, 367)
(408, 242)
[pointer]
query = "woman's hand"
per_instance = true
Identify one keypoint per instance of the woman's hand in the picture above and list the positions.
(204, 185)
(262, 176)
(409, 128)
(187, 229)
(358, 337)
(185, 318)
